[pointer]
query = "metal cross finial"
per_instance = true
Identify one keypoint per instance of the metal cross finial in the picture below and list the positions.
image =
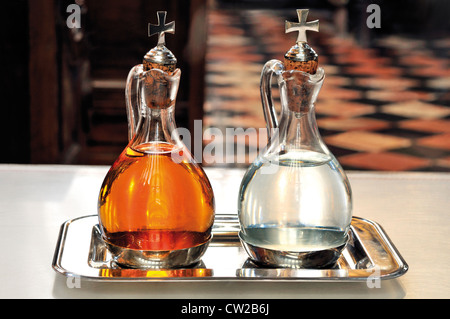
(302, 26)
(161, 28)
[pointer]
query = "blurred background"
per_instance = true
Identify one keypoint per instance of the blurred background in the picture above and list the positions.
(384, 105)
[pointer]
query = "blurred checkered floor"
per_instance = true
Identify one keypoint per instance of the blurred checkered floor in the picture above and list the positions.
(381, 108)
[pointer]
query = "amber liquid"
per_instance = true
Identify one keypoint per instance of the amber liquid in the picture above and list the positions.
(151, 200)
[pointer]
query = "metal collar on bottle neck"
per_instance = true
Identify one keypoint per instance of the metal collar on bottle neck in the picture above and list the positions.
(161, 58)
(301, 52)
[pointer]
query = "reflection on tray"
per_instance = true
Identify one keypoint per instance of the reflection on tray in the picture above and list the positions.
(100, 257)
(368, 249)
(157, 273)
(250, 269)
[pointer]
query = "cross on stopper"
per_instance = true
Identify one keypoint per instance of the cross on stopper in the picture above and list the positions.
(302, 26)
(161, 28)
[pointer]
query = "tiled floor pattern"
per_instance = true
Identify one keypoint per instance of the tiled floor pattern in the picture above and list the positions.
(381, 108)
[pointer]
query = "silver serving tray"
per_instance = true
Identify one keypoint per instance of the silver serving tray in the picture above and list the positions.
(369, 254)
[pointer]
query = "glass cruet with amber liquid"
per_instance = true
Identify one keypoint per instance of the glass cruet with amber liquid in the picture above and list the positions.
(295, 202)
(156, 205)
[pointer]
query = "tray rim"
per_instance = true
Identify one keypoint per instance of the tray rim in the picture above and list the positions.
(401, 270)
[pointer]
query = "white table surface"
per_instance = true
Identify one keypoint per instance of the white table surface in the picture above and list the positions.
(413, 208)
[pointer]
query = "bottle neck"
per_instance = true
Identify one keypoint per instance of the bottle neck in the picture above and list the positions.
(298, 126)
(155, 109)
(299, 131)
(156, 126)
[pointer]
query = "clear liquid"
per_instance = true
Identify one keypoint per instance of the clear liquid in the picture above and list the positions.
(297, 239)
(298, 201)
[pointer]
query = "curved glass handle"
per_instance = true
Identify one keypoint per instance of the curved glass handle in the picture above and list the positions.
(271, 67)
(132, 99)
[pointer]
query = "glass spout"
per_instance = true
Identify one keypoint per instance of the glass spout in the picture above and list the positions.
(158, 89)
(299, 90)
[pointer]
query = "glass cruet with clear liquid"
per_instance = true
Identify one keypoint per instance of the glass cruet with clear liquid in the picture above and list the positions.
(295, 202)
(156, 205)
